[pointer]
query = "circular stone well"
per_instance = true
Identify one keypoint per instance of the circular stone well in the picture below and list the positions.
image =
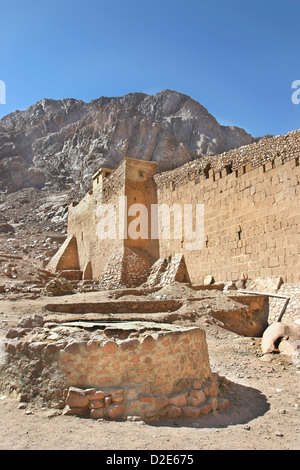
(114, 370)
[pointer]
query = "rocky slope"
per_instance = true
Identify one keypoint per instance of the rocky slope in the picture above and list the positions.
(60, 143)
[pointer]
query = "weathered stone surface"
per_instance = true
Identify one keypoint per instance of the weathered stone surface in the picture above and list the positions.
(192, 401)
(73, 347)
(89, 392)
(174, 411)
(76, 398)
(213, 401)
(190, 412)
(178, 400)
(31, 321)
(96, 395)
(117, 398)
(199, 395)
(148, 343)
(96, 404)
(59, 286)
(110, 347)
(197, 384)
(6, 228)
(97, 413)
(16, 332)
(146, 399)
(73, 411)
(161, 402)
(205, 408)
(129, 344)
(213, 389)
(107, 401)
(116, 411)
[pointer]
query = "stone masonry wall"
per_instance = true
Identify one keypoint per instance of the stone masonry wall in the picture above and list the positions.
(251, 199)
(83, 220)
(117, 371)
(133, 179)
(165, 374)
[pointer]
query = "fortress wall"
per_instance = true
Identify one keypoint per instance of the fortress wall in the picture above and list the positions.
(140, 188)
(251, 212)
(83, 221)
(251, 200)
(131, 178)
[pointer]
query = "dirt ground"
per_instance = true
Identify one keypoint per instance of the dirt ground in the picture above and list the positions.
(263, 412)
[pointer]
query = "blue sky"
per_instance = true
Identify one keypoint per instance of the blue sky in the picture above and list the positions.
(238, 58)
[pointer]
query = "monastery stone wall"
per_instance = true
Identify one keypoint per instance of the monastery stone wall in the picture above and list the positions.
(251, 199)
(83, 220)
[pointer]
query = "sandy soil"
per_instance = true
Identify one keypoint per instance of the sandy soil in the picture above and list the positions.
(263, 412)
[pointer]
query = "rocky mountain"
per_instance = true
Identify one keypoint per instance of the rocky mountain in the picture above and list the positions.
(59, 144)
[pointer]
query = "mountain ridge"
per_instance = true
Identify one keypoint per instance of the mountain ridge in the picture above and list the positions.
(60, 143)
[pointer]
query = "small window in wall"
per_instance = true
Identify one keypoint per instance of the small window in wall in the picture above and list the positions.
(206, 171)
(239, 234)
(228, 169)
(297, 161)
(141, 174)
(206, 242)
(81, 236)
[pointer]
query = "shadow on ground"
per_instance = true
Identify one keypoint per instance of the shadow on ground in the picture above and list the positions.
(246, 404)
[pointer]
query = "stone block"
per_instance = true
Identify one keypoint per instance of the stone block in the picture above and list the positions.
(197, 384)
(205, 409)
(148, 343)
(97, 413)
(96, 404)
(199, 395)
(116, 411)
(190, 412)
(178, 400)
(76, 398)
(191, 401)
(110, 347)
(146, 399)
(97, 395)
(174, 412)
(73, 411)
